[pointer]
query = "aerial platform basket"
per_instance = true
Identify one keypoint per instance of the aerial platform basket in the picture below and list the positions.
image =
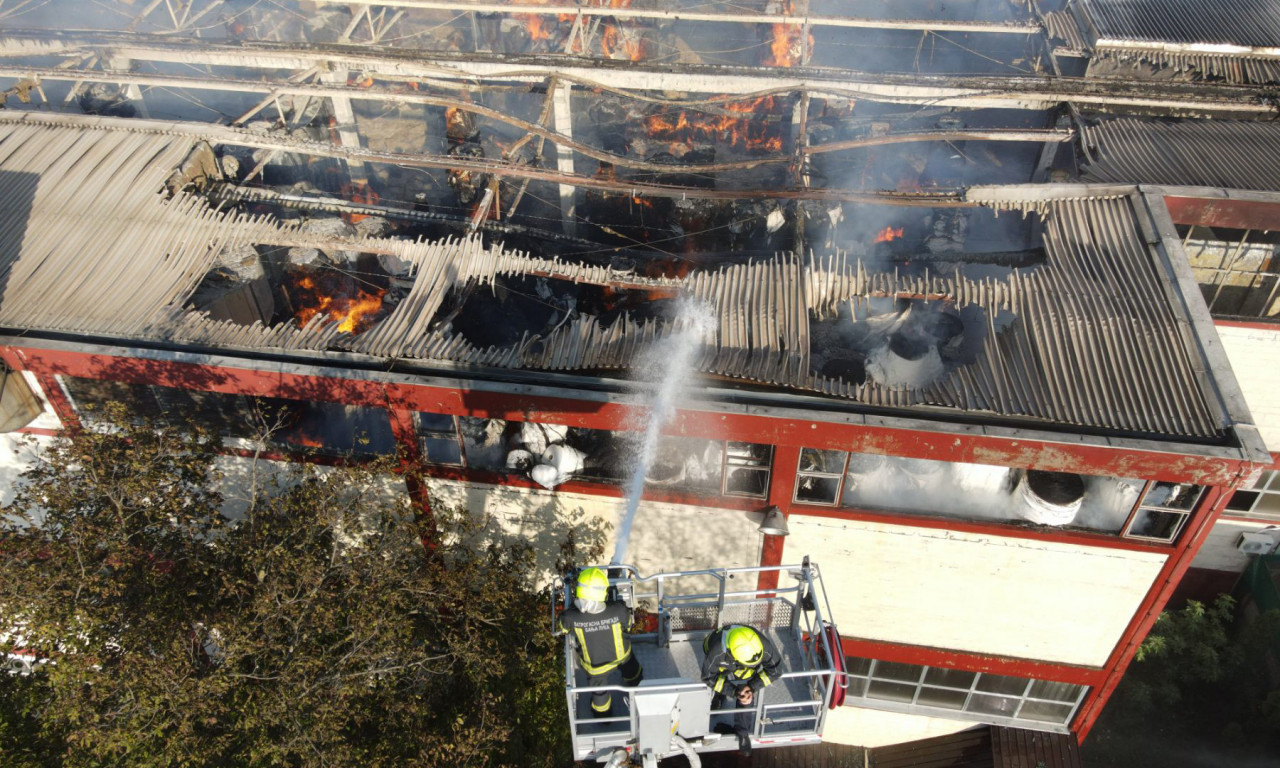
(670, 713)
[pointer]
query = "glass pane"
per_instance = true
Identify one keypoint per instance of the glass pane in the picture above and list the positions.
(1043, 689)
(1001, 706)
(332, 428)
(813, 489)
(815, 460)
(1267, 476)
(486, 442)
(857, 687)
(1046, 713)
(941, 697)
(892, 670)
(747, 482)
(442, 450)
(1242, 501)
(749, 454)
(435, 422)
(902, 692)
(1172, 495)
(686, 464)
(952, 678)
(1014, 686)
(857, 666)
(1157, 524)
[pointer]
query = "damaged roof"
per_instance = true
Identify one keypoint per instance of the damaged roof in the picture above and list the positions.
(1088, 333)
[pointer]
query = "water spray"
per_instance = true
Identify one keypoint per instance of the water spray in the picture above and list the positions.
(669, 366)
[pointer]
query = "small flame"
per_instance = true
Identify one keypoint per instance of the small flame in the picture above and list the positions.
(888, 234)
(746, 132)
(615, 42)
(354, 314)
(787, 47)
(538, 29)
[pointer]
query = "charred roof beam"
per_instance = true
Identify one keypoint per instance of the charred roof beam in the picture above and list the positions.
(459, 70)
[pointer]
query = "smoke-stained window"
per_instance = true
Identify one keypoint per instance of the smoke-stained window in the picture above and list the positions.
(965, 491)
(328, 428)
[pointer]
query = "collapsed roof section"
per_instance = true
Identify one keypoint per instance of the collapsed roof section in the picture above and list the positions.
(1069, 320)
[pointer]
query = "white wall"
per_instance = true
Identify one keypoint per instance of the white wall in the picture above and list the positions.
(871, 728)
(1219, 552)
(666, 537)
(1255, 359)
(1026, 599)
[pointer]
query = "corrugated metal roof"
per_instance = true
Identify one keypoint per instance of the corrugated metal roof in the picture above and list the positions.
(1253, 23)
(1208, 153)
(1093, 340)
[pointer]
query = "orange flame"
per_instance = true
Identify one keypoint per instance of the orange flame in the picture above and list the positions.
(887, 234)
(354, 314)
(538, 29)
(787, 47)
(614, 42)
(747, 132)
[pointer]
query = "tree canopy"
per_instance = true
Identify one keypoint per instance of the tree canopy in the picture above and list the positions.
(315, 631)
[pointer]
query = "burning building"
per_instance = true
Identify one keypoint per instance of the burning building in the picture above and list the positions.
(963, 270)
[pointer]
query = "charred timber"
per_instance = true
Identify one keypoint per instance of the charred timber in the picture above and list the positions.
(1012, 259)
(474, 69)
(221, 134)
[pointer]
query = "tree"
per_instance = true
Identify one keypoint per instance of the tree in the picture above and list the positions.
(315, 631)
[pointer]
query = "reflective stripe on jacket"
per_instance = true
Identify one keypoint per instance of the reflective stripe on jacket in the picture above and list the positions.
(602, 637)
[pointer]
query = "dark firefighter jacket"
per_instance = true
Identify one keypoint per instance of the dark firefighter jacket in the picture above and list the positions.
(720, 669)
(602, 637)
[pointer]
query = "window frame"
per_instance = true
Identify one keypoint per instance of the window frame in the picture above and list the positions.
(422, 433)
(864, 681)
(839, 478)
(1184, 515)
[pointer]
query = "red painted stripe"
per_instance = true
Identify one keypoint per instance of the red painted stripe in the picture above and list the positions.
(1256, 325)
(1121, 461)
(971, 662)
(1081, 538)
(41, 431)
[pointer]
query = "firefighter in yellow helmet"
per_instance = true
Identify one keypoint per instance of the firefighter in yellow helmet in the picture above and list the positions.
(739, 663)
(599, 627)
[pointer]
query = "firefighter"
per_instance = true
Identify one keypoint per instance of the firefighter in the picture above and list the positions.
(600, 627)
(739, 663)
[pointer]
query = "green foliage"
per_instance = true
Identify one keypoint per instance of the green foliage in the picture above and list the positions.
(1186, 649)
(316, 631)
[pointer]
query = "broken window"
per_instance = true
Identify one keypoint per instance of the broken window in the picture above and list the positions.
(966, 491)
(329, 428)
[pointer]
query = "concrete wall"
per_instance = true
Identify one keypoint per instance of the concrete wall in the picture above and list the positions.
(666, 537)
(1255, 359)
(1219, 552)
(1043, 601)
(860, 727)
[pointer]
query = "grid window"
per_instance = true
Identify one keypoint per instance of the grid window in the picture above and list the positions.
(439, 435)
(1163, 511)
(746, 469)
(820, 476)
(1262, 499)
(955, 693)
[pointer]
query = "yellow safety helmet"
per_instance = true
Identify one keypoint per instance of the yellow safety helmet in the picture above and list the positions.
(744, 645)
(593, 584)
